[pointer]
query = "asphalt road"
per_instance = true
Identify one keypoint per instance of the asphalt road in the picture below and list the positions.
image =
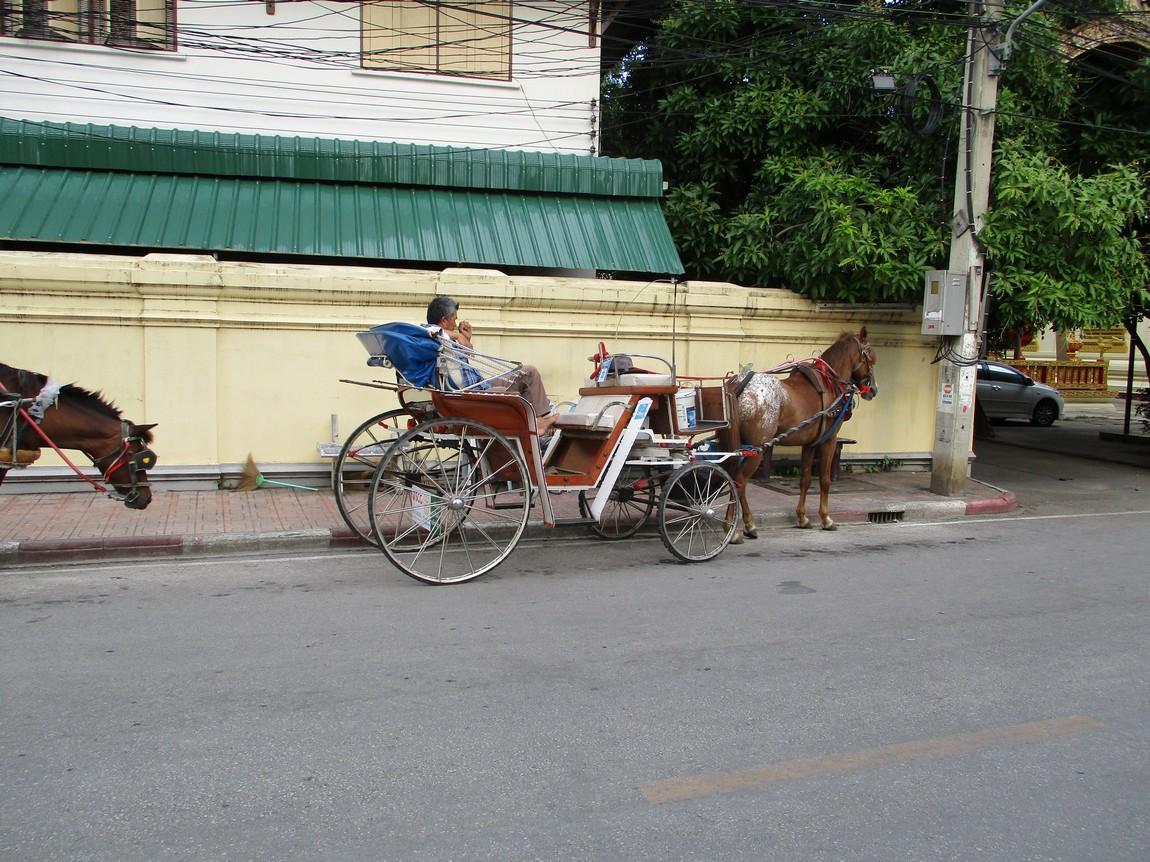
(966, 691)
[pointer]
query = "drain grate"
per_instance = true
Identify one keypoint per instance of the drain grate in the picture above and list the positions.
(884, 517)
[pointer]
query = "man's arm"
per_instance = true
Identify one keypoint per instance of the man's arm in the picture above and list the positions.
(462, 334)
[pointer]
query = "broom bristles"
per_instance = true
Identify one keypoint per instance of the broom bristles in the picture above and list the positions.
(250, 478)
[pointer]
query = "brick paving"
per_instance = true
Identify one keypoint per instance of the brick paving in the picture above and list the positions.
(45, 517)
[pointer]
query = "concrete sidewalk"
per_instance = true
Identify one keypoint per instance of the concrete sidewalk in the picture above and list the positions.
(84, 525)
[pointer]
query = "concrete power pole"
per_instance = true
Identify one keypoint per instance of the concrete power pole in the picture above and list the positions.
(954, 414)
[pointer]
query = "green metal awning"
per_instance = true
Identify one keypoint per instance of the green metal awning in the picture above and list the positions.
(211, 192)
(327, 219)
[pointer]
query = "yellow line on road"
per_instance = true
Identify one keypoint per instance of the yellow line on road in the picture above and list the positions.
(674, 789)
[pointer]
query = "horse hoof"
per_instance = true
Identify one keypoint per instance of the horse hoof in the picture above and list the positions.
(830, 526)
(803, 525)
(751, 534)
(737, 539)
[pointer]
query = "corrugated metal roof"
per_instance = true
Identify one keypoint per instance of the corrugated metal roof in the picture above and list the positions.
(126, 148)
(453, 226)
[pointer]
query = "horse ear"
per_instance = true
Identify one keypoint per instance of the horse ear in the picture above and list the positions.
(862, 334)
(145, 427)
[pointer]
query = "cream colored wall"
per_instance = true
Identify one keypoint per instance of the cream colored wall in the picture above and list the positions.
(232, 358)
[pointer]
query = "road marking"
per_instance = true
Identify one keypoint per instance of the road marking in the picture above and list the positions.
(675, 789)
(73, 567)
(1008, 519)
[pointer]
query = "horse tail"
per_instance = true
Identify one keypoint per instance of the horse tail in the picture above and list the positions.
(731, 437)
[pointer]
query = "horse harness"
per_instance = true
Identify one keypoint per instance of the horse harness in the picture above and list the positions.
(822, 378)
(138, 462)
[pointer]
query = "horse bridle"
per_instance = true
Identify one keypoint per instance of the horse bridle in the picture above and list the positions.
(865, 358)
(138, 461)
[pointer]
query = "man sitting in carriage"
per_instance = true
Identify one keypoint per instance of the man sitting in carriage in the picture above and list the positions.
(443, 321)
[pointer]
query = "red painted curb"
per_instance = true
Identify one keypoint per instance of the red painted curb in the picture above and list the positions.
(1005, 502)
(347, 539)
(68, 545)
(87, 549)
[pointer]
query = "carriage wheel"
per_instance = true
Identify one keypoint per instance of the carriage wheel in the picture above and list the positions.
(448, 501)
(627, 509)
(698, 512)
(355, 467)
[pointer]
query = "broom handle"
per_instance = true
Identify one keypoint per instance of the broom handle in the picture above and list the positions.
(286, 484)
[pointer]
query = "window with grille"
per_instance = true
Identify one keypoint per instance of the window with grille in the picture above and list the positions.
(147, 24)
(462, 37)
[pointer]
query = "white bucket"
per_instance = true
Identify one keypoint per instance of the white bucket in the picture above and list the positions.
(685, 407)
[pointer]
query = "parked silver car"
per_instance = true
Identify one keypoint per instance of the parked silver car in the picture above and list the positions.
(1004, 392)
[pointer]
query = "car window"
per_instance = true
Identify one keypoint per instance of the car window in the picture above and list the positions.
(1005, 375)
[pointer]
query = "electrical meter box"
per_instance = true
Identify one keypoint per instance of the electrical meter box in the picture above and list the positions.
(944, 303)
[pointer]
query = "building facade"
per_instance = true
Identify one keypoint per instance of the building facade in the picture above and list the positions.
(468, 73)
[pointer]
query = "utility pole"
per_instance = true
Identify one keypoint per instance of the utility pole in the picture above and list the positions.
(954, 413)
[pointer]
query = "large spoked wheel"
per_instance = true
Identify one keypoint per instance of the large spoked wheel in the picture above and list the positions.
(629, 506)
(355, 467)
(449, 501)
(698, 512)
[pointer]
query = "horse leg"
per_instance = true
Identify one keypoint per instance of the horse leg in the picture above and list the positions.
(801, 518)
(826, 465)
(742, 474)
(750, 468)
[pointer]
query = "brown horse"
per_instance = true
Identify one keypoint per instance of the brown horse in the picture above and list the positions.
(806, 409)
(73, 418)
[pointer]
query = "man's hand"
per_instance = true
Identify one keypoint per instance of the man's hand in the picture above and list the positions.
(465, 329)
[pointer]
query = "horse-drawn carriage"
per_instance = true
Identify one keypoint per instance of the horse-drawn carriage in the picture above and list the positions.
(444, 484)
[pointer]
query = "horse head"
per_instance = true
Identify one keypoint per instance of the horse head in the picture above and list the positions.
(125, 466)
(859, 358)
(70, 417)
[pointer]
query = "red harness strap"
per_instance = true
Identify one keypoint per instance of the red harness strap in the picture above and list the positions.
(56, 449)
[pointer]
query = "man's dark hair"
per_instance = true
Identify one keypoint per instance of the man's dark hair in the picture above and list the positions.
(440, 307)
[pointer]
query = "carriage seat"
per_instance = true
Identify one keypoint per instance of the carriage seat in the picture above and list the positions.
(640, 379)
(425, 357)
(593, 413)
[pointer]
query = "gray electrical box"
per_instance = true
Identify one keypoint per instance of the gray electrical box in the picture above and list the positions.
(944, 303)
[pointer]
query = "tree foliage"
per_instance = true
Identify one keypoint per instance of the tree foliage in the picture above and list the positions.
(1061, 242)
(785, 168)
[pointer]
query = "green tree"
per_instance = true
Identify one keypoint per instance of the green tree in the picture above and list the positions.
(785, 168)
(1062, 246)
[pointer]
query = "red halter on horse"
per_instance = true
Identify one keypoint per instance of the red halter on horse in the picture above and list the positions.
(36, 412)
(806, 409)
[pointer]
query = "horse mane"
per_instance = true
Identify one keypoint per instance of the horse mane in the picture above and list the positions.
(94, 401)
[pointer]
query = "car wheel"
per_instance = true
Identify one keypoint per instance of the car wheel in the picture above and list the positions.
(1045, 412)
